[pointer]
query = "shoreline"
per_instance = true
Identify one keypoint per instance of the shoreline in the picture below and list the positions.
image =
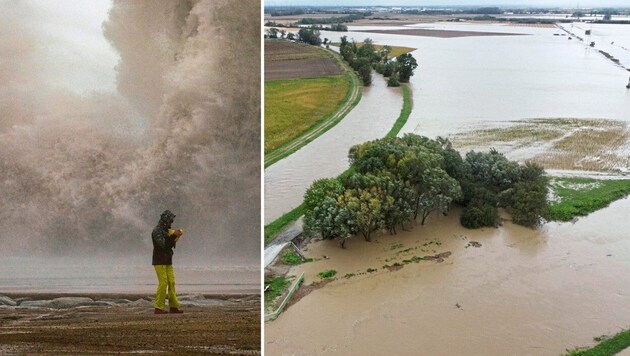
(131, 296)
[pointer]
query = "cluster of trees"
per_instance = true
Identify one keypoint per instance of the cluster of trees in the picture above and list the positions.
(334, 27)
(486, 10)
(332, 20)
(363, 57)
(285, 12)
(310, 36)
(276, 33)
(397, 180)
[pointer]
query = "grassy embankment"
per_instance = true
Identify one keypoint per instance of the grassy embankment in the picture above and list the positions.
(607, 347)
(276, 286)
(272, 229)
(396, 50)
(582, 196)
(299, 110)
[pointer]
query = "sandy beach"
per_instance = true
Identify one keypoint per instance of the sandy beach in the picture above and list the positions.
(59, 324)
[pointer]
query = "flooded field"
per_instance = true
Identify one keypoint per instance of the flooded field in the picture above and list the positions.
(568, 144)
(441, 289)
(463, 81)
(287, 180)
(510, 290)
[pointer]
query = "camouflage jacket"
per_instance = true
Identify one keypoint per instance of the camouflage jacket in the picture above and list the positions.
(163, 245)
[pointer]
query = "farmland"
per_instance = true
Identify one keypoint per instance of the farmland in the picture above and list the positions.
(307, 90)
(288, 60)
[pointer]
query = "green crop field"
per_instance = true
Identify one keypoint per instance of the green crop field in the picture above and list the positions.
(294, 106)
(396, 50)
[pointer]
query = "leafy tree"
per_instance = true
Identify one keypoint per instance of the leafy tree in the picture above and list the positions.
(320, 190)
(384, 53)
(272, 32)
(322, 213)
(363, 67)
(527, 200)
(364, 208)
(309, 36)
(492, 170)
(475, 216)
(439, 191)
(366, 50)
(406, 64)
(389, 69)
(529, 204)
(290, 36)
(393, 81)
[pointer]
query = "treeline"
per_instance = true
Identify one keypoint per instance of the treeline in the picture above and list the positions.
(334, 19)
(335, 27)
(285, 12)
(363, 57)
(397, 180)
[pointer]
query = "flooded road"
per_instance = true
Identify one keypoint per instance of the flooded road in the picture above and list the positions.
(522, 292)
(327, 156)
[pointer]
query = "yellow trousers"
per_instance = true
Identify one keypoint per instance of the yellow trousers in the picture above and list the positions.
(166, 278)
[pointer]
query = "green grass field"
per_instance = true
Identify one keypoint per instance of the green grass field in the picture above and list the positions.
(396, 50)
(294, 106)
(582, 196)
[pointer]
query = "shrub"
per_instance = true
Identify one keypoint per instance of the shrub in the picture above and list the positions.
(393, 81)
(328, 274)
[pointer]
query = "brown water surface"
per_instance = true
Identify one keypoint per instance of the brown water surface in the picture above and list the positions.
(522, 292)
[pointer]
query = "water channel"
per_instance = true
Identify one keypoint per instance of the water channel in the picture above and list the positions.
(327, 156)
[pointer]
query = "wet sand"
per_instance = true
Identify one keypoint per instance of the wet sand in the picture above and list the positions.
(521, 292)
(229, 326)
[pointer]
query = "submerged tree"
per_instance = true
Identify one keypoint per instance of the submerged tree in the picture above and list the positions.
(400, 179)
(406, 64)
(309, 36)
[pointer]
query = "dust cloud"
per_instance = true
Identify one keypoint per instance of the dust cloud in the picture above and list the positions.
(88, 174)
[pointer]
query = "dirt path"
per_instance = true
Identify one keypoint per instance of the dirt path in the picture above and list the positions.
(230, 328)
(301, 141)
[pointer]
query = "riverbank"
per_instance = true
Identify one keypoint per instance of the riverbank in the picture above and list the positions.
(274, 228)
(125, 323)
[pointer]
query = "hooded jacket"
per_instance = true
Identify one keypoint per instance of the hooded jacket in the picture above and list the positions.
(163, 244)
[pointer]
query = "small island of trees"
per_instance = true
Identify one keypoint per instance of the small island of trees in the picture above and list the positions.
(363, 58)
(397, 180)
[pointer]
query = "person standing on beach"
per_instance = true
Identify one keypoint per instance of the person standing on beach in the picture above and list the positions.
(164, 241)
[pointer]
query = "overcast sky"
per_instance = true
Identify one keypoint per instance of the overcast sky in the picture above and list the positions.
(77, 54)
(540, 3)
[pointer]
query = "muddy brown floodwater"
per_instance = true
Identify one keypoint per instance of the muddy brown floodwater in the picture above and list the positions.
(505, 291)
